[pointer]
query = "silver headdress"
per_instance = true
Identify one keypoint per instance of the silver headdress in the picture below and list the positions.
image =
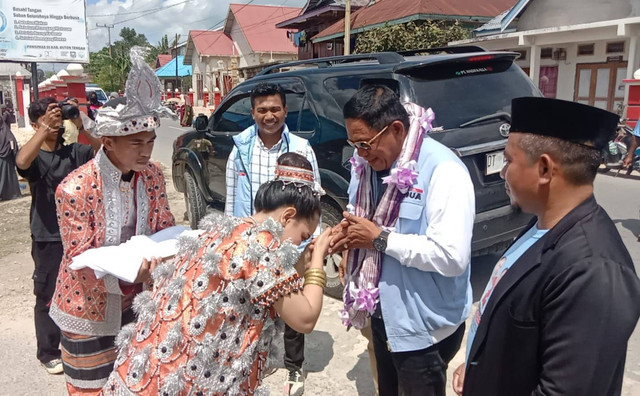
(143, 109)
(299, 177)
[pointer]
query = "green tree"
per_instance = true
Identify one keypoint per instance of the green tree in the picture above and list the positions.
(410, 36)
(161, 48)
(110, 72)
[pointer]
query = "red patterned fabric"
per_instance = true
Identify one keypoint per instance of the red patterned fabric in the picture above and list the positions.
(81, 216)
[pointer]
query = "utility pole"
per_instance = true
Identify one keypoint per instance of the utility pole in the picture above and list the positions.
(109, 27)
(34, 80)
(347, 28)
(176, 48)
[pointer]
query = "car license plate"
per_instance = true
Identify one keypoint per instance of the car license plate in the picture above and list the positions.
(495, 162)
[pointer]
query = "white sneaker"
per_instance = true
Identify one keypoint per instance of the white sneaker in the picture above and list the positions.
(294, 384)
(53, 367)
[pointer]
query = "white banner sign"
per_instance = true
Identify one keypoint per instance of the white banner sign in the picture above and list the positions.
(43, 31)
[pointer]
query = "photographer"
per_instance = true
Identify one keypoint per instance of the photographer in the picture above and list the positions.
(44, 162)
(74, 123)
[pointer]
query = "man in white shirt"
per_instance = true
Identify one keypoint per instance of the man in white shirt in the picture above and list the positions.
(408, 241)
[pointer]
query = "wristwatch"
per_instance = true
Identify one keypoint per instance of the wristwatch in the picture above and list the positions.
(380, 243)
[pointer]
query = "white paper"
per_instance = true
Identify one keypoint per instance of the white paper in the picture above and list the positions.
(124, 261)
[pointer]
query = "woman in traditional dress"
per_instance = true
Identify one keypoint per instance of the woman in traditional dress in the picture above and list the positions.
(207, 327)
(9, 186)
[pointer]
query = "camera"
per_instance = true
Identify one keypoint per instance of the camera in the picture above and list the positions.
(69, 111)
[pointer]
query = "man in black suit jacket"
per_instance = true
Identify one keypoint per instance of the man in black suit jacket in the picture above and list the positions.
(563, 301)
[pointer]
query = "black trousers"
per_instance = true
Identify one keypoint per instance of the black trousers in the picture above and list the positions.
(293, 348)
(47, 257)
(422, 372)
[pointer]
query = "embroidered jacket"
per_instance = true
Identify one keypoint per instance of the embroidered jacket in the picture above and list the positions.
(208, 326)
(89, 214)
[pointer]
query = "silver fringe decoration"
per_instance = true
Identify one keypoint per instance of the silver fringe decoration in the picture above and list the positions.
(172, 384)
(139, 364)
(211, 261)
(163, 271)
(271, 226)
(144, 306)
(288, 255)
(255, 251)
(124, 337)
(211, 221)
(188, 245)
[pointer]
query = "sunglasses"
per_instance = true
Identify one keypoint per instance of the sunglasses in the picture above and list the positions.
(366, 145)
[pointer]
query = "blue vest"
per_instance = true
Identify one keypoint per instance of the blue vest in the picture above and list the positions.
(244, 142)
(419, 308)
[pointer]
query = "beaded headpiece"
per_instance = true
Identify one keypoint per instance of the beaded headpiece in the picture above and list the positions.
(299, 177)
(143, 107)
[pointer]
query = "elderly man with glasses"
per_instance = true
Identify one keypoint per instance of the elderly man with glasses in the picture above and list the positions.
(408, 242)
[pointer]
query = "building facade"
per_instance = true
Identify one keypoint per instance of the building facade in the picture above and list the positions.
(580, 50)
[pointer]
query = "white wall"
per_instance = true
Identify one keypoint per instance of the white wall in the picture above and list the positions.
(567, 68)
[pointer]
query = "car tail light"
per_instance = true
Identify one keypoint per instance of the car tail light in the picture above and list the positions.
(481, 58)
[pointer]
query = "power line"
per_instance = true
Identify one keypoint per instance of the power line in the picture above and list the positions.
(123, 13)
(148, 12)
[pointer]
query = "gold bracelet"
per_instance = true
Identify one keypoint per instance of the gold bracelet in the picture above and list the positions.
(324, 282)
(318, 278)
(315, 271)
(312, 282)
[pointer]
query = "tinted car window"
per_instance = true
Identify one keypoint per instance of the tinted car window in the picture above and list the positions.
(456, 98)
(300, 117)
(235, 116)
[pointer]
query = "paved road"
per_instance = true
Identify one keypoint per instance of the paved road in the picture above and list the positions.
(165, 136)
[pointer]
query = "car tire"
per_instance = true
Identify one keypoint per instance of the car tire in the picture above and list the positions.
(331, 216)
(196, 205)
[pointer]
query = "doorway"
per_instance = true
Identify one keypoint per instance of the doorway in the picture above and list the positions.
(600, 85)
(548, 81)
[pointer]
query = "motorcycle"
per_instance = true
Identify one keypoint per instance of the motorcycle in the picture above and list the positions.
(617, 150)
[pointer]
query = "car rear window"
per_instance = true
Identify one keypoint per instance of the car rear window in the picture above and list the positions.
(459, 93)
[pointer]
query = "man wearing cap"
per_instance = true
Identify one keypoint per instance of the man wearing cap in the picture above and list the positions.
(118, 194)
(564, 299)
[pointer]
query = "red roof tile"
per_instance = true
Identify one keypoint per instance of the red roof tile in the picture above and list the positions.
(163, 59)
(258, 24)
(212, 43)
(388, 10)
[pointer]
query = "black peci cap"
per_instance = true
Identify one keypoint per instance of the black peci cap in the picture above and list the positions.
(571, 121)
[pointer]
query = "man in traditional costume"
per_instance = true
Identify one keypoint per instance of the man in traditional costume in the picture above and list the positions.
(563, 300)
(118, 194)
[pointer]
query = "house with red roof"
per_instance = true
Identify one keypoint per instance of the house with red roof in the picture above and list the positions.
(210, 53)
(162, 59)
(248, 41)
(259, 41)
(469, 13)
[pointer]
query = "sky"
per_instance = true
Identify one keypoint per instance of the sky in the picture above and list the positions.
(155, 18)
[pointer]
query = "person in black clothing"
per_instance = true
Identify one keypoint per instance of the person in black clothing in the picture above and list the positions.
(44, 162)
(9, 187)
(564, 299)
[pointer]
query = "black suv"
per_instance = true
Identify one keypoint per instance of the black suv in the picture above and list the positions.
(469, 89)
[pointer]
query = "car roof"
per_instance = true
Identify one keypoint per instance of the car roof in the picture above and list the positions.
(374, 62)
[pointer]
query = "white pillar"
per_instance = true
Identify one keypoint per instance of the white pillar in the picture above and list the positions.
(632, 65)
(534, 65)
